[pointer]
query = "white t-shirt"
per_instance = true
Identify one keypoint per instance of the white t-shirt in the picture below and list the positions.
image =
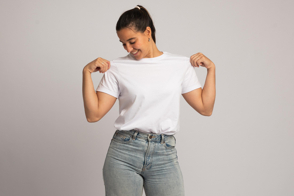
(149, 91)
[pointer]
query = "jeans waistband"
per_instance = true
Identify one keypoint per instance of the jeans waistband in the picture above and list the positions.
(153, 137)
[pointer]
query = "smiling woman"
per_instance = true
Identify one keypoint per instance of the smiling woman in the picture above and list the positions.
(136, 31)
(148, 84)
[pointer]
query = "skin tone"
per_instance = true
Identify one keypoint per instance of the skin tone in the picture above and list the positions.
(202, 100)
(135, 41)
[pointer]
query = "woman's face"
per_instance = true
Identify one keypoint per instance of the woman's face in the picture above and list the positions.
(136, 43)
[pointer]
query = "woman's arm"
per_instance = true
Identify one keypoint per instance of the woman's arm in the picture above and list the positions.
(202, 100)
(89, 96)
(96, 104)
(208, 93)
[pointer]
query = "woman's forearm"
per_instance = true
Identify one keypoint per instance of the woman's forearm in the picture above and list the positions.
(89, 96)
(208, 93)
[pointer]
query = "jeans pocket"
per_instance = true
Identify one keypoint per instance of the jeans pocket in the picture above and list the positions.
(122, 138)
(170, 142)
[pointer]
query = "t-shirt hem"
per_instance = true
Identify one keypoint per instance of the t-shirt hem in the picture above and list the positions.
(105, 90)
(191, 88)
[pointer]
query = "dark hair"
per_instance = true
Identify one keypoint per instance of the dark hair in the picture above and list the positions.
(137, 18)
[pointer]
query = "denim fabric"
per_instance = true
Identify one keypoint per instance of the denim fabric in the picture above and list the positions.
(137, 160)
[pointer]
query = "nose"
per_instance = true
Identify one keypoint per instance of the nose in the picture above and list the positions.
(128, 48)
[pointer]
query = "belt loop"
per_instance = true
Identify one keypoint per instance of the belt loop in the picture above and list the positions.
(135, 135)
(162, 138)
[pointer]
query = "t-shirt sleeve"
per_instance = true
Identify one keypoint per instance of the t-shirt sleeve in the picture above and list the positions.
(190, 80)
(109, 84)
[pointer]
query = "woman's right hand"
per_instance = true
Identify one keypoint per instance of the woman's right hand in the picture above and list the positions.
(99, 64)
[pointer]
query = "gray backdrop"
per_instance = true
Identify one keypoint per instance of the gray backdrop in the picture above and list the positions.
(245, 148)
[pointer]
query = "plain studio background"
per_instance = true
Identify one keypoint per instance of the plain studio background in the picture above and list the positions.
(245, 148)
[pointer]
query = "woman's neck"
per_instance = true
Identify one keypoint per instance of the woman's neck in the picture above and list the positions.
(154, 52)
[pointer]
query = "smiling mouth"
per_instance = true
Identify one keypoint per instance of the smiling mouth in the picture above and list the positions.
(135, 53)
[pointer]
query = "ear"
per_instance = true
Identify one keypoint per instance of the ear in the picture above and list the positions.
(148, 31)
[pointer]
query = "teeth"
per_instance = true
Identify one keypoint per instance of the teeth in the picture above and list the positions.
(134, 52)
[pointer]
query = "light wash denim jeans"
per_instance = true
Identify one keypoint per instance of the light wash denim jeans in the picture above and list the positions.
(137, 160)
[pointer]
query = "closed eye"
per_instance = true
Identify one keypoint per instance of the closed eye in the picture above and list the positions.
(130, 43)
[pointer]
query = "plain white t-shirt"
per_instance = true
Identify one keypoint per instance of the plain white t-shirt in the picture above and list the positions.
(149, 91)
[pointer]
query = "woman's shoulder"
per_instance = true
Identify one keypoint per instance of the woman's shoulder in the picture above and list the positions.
(174, 56)
(121, 59)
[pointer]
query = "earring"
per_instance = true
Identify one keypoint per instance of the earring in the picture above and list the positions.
(148, 39)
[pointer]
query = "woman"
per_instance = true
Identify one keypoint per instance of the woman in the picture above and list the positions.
(148, 83)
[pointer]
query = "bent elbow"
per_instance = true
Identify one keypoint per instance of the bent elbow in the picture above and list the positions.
(206, 113)
(89, 120)
(92, 120)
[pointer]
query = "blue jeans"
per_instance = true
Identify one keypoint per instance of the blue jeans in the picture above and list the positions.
(137, 160)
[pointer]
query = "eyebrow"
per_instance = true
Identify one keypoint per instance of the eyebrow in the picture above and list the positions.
(128, 39)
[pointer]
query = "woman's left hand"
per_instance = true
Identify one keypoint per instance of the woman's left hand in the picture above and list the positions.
(200, 59)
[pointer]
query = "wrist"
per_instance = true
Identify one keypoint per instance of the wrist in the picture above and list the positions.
(212, 67)
(85, 70)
